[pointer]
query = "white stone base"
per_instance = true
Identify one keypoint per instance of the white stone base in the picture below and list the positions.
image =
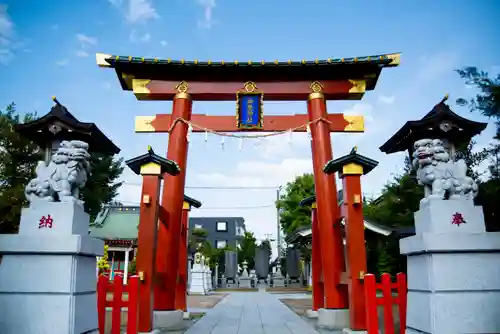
(48, 284)
(352, 331)
(197, 286)
(167, 319)
(245, 282)
(312, 314)
(186, 315)
(333, 319)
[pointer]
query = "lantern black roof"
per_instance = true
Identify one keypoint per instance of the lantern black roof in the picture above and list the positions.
(308, 201)
(336, 165)
(60, 124)
(192, 201)
(440, 122)
(167, 166)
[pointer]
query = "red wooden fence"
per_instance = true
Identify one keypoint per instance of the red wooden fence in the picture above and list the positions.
(117, 288)
(387, 300)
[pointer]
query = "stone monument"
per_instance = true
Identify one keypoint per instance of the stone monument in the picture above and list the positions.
(197, 286)
(48, 271)
(245, 281)
(231, 269)
(278, 279)
(453, 263)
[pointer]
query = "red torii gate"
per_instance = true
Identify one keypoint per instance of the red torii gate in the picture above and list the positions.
(184, 81)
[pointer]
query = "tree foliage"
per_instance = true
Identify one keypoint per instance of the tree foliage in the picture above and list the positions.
(18, 160)
(246, 251)
(292, 215)
(487, 100)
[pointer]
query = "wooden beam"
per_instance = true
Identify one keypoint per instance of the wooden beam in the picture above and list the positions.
(145, 89)
(272, 123)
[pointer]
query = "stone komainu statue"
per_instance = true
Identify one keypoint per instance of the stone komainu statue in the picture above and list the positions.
(440, 175)
(64, 176)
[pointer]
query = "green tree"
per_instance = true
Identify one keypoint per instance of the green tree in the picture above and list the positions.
(487, 100)
(18, 160)
(246, 252)
(103, 263)
(292, 215)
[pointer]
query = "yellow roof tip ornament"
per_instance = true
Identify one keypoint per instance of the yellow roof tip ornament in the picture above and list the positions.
(446, 96)
(354, 150)
(54, 98)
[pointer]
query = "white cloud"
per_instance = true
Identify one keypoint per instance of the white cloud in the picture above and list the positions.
(86, 41)
(81, 53)
(386, 99)
(137, 38)
(361, 109)
(207, 21)
(141, 11)
(163, 43)
(62, 62)
(6, 36)
(436, 65)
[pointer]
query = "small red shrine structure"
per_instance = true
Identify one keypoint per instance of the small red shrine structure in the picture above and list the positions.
(249, 84)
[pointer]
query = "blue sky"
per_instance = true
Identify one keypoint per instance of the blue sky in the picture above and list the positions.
(48, 48)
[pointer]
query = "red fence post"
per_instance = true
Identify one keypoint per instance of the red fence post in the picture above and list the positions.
(402, 288)
(117, 305)
(133, 302)
(102, 283)
(387, 302)
(371, 304)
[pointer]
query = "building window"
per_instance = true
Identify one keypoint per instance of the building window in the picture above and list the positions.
(221, 226)
(198, 226)
(221, 244)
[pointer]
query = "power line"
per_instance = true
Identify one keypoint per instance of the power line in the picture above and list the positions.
(215, 207)
(213, 187)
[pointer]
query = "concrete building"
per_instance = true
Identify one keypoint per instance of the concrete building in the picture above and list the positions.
(221, 231)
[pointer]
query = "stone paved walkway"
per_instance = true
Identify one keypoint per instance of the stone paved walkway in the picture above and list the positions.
(251, 313)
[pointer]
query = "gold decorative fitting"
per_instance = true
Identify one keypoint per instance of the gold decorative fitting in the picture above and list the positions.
(129, 58)
(329, 60)
(196, 61)
(395, 59)
(182, 87)
(156, 60)
(249, 62)
(250, 86)
(183, 61)
(235, 62)
(316, 61)
(222, 62)
(146, 199)
(142, 59)
(140, 86)
(117, 57)
(355, 60)
(358, 86)
(209, 62)
(263, 62)
(169, 60)
(303, 61)
(369, 58)
(276, 61)
(289, 62)
(356, 123)
(144, 123)
(316, 87)
(186, 206)
(342, 60)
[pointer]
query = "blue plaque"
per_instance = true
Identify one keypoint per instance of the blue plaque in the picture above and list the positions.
(249, 107)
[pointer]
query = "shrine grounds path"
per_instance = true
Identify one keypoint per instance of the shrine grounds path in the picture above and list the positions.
(251, 313)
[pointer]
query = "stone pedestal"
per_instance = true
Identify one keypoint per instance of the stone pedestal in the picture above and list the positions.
(453, 270)
(245, 282)
(197, 286)
(278, 279)
(48, 272)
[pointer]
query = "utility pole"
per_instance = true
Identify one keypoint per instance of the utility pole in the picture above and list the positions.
(278, 224)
